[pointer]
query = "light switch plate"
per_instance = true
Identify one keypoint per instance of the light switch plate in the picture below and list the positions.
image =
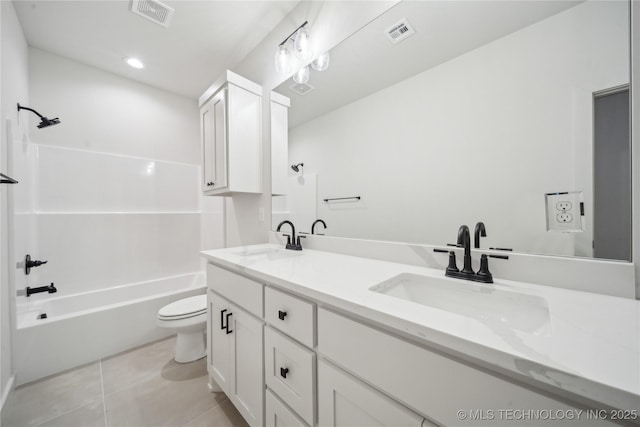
(565, 211)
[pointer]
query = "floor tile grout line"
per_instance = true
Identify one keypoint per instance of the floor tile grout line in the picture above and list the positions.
(104, 403)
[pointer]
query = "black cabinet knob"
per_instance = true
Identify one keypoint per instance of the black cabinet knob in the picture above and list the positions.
(282, 314)
(284, 372)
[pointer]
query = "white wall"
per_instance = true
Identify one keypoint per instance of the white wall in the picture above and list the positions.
(495, 170)
(14, 88)
(107, 113)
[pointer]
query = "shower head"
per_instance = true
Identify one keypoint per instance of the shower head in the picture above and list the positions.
(44, 122)
(296, 168)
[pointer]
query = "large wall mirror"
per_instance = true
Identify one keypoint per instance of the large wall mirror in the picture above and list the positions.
(514, 114)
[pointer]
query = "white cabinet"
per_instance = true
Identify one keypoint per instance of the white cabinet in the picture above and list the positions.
(231, 134)
(278, 414)
(279, 144)
(430, 382)
(292, 315)
(344, 401)
(290, 373)
(218, 343)
(235, 356)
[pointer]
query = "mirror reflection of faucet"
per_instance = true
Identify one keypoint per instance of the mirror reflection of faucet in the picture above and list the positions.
(313, 226)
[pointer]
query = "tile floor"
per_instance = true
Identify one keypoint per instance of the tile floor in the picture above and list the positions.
(138, 388)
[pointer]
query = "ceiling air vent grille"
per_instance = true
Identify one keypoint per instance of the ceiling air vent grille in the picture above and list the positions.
(400, 31)
(153, 10)
(301, 88)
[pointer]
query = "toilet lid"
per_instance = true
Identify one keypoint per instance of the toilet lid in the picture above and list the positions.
(184, 307)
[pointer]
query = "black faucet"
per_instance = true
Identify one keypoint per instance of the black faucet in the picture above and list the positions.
(313, 226)
(483, 275)
(480, 230)
(51, 289)
(465, 240)
(293, 243)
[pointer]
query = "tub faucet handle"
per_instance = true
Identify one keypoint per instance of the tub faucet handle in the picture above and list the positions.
(29, 264)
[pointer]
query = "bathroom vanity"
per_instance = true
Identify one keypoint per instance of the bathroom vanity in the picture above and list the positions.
(318, 338)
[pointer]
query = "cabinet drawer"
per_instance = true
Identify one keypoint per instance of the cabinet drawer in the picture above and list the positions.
(236, 288)
(291, 315)
(424, 380)
(278, 414)
(290, 373)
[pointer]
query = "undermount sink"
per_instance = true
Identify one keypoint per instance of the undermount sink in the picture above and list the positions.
(480, 301)
(268, 253)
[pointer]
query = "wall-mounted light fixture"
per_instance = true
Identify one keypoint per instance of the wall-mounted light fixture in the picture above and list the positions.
(298, 44)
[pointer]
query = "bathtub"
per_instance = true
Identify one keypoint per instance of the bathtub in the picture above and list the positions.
(82, 328)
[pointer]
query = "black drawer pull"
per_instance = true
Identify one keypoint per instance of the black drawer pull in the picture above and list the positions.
(284, 372)
(209, 184)
(222, 325)
(282, 314)
(228, 324)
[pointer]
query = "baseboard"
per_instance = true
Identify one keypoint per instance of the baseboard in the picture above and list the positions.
(6, 394)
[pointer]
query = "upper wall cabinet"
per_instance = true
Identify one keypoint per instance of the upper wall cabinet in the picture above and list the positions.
(279, 143)
(231, 133)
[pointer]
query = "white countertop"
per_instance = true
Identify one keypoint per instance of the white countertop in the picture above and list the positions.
(584, 344)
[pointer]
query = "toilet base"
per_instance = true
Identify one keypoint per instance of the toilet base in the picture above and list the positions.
(190, 346)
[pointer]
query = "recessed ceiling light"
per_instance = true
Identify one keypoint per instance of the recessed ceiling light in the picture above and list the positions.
(134, 62)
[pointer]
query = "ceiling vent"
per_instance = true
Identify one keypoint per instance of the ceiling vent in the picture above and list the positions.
(400, 31)
(153, 10)
(301, 88)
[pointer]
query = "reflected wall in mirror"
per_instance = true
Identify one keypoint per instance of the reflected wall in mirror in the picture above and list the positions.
(480, 114)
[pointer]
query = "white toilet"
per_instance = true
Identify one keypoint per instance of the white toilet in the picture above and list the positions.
(187, 317)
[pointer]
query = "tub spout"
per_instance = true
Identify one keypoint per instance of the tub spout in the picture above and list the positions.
(51, 289)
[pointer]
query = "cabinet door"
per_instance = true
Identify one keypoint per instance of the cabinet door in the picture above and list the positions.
(247, 381)
(208, 146)
(218, 341)
(345, 401)
(213, 118)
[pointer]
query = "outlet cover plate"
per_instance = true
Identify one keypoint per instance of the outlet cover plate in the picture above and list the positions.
(565, 211)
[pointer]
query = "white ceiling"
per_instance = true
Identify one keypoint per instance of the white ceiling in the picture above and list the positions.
(367, 62)
(204, 38)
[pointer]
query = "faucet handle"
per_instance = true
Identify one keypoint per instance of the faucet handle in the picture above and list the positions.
(484, 272)
(288, 238)
(452, 267)
(298, 245)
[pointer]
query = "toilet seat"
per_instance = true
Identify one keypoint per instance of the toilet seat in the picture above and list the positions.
(184, 308)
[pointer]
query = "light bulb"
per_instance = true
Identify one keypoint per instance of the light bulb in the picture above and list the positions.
(321, 63)
(302, 75)
(134, 62)
(302, 44)
(283, 60)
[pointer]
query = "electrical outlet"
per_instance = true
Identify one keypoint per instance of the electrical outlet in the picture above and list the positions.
(564, 211)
